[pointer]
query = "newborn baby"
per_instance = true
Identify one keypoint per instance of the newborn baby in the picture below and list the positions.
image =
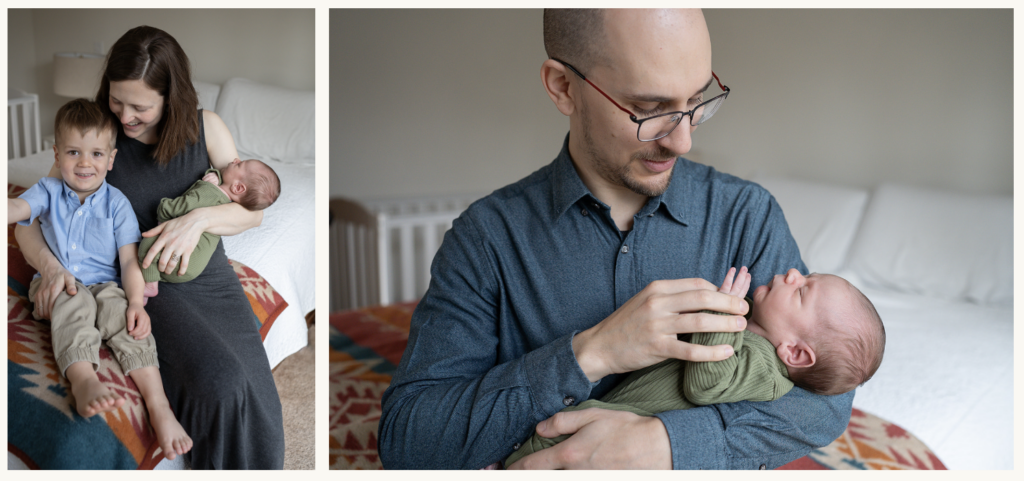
(818, 332)
(249, 183)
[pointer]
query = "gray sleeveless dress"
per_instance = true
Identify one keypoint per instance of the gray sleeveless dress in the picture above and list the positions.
(214, 367)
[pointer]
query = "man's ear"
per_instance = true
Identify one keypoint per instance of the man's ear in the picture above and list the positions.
(555, 78)
(237, 188)
(796, 354)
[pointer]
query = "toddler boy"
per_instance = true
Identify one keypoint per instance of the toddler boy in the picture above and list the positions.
(249, 183)
(818, 332)
(88, 224)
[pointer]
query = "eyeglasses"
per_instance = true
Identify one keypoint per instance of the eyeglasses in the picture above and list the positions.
(658, 126)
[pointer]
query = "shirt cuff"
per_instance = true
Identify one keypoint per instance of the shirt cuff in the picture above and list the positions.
(697, 438)
(555, 378)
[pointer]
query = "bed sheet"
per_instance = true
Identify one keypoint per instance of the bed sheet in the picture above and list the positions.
(282, 249)
(947, 376)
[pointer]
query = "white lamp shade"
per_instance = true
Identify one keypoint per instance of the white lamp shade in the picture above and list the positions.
(77, 74)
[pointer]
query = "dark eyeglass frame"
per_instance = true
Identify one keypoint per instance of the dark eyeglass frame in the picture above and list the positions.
(639, 122)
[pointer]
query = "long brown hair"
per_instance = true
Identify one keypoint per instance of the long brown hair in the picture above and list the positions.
(152, 55)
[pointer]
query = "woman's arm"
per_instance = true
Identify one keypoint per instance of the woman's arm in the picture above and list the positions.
(181, 235)
(55, 278)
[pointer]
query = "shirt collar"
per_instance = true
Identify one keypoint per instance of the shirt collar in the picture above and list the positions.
(568, 188)
(99, 195)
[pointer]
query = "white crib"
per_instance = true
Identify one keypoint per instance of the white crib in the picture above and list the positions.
(381, 249)
(23, 133)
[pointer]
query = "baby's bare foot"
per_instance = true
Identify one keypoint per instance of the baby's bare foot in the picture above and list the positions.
(169, 433)
(92, 397)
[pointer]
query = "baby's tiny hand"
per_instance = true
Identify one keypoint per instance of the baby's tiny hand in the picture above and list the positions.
(212, 178)
(738, 286)
(138, 321)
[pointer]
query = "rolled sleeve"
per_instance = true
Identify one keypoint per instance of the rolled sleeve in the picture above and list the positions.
(38, 198)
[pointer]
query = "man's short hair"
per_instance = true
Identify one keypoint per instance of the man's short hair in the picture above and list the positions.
(82, 115)
(846, 358)
(574, 35)
(262, 189)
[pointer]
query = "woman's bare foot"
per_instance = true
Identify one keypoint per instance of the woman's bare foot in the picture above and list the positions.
(169, 433)
(91, 396)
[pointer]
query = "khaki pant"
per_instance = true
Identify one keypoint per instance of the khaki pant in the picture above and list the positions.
(78, 324)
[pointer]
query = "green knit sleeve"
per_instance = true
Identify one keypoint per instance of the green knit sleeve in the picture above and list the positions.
(751, 374)
(201, 194)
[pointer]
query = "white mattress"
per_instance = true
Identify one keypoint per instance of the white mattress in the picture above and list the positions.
(947, 377)
(281, 249)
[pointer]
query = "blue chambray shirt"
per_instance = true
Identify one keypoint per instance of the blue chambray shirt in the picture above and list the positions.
(84, 237)
(527, 267)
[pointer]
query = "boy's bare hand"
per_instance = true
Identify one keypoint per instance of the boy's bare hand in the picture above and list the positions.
(138, 321)
(736, 287)
(212, 178)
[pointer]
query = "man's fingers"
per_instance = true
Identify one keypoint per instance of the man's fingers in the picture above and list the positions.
(697, 300)
(699, 353)
(565, 422)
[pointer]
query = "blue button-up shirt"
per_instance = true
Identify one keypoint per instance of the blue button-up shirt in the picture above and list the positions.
(85, 237)
(526, 268)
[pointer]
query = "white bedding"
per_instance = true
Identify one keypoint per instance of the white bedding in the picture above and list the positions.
(281, 249)
(947, 377)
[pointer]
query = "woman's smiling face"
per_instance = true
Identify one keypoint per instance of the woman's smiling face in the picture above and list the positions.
(138, 108)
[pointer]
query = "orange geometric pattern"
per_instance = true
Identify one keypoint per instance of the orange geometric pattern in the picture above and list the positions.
(870, 442)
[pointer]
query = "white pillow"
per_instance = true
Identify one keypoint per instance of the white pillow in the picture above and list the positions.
(942, 244)
(822, 217)
(208, 94)
(269, 122)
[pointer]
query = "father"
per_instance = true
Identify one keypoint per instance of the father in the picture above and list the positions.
(545, 292)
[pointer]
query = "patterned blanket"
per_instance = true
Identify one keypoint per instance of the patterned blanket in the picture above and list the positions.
(43, 428)
(366, 346)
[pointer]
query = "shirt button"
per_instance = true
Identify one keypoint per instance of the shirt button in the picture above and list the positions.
(625, 249)
(584, 212)
(76, 268)
(79, 213)
(568, 400)
(74, 246)
(516, 447)
(763, 467)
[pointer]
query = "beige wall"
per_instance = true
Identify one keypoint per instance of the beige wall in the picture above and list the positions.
(428, 102)
(275, 47)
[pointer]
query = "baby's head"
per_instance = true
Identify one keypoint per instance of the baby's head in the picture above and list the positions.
(250, 183)
(823, 328)
(84, 139)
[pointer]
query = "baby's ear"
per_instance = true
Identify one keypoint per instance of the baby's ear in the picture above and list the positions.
(237, 188)
(796, 354)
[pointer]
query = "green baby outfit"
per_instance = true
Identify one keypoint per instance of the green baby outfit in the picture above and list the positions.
(753, 373)
(201, 194)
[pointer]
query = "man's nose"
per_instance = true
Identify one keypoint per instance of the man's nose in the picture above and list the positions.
(679, 141)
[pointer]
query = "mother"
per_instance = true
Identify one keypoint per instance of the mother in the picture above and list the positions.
(214, 367)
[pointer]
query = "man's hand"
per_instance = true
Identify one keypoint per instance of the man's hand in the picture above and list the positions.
(603, 439)
(644, 331)
(138, 321)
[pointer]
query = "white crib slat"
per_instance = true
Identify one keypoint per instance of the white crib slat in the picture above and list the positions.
(427, 255)
(408, 264)
(12, 112)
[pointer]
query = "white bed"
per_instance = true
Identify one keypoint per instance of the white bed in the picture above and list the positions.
(276, 126)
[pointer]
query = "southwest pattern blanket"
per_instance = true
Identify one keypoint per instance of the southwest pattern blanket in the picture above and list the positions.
(43, 428)
(366, 346)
